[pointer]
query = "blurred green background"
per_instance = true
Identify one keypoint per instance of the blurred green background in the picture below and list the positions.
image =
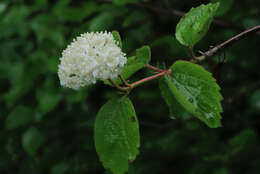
(49, 129)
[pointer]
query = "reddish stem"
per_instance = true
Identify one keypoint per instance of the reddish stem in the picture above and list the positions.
(154, 68)
(139, 82)
(124, 81)
(118, 86)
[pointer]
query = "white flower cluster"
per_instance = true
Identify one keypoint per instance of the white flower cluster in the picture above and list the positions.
(90, 57)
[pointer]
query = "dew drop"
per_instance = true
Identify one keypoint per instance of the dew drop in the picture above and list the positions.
(209, 115)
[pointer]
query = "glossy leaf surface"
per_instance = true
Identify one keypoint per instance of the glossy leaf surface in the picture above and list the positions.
(197, 91)
(117, 136)
(194, 25)
(176, 109)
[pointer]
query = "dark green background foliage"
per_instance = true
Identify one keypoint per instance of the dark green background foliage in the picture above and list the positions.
(48, 129)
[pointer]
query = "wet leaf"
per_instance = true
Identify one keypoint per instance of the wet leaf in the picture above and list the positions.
(143, 54)
(117, 136)
(194, 25)
(176, 109)
(197, 91)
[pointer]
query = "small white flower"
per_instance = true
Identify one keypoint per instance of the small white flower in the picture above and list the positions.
(90, 57)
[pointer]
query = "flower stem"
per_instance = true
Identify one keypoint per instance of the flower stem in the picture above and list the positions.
(124, 81)
(139, 82)
(192, 53)
(154, 68)
(118, 86)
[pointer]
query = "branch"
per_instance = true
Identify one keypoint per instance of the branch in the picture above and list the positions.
(228, 42)
(118, 86)
(154, 68)
(124, 81)
(137, 83)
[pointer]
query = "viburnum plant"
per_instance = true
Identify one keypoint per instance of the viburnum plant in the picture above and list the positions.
(186, 86)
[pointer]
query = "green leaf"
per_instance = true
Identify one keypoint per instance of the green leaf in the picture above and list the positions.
(197, 91)
(176, 109)
(243, 140)
(194, 25)
(47, 101)
(21, 79)
(20, 116)
(117, 38)
(117, 136)
(144, 54)
(32, 140)
(134, 63)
